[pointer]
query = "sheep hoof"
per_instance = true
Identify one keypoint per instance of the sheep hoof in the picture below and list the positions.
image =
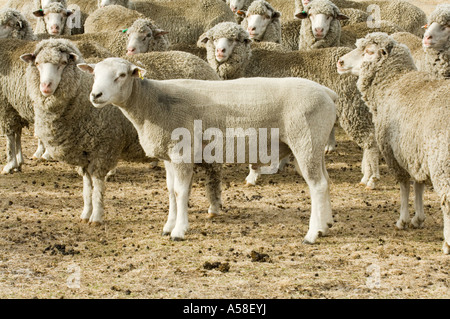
(95, 224)
(401, 224)
(165, 233)
(306, 242)
(84, 221)
(211, 215)
(247, 184)
(370, 188)
(177, 239)
(417, 222)
(446, 248)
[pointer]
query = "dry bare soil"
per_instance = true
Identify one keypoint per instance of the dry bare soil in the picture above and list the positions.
(252, 250)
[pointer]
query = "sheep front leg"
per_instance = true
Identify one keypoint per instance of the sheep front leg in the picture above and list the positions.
(404, 219)
(419, 217)
(182, 184)
(10, 154)
(87, 197)
(253, 175)
(40, 150)
(98, 191)
(170, 224)
(331, 144)
(213, 189)
(445, 205)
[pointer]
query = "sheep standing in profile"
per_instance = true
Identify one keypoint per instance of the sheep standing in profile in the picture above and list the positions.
(262, 22)
(410, 111)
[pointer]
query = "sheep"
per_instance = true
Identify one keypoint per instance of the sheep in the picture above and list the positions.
(124, 3)
(321, 27)
(402, 100)
(13, 24)
(405, 15)
(262, 22)
(145, 36)
(350, 33)
(185, 20)
(238, 5)
(238, 59)
(54, 17)
(162, 109)
(75, 132)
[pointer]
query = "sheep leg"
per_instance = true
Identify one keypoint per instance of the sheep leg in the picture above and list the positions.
(170, 224)
(331, 144)
(365, 169)
(40, 150)
(182, 184)
(11, 157)
(419, 216)
(404, 219)
(318, 182)
(19, 155)
(253, 175)
(87, 197)
(98, 192)
(445, 206)
(213, 189)
(373, 159)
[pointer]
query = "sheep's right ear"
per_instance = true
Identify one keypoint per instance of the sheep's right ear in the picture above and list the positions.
(38, 13)
(302, 15)
(28, 58)
(88, 68)
(202, 40)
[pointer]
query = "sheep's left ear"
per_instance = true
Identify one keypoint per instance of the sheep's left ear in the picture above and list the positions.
(74, 57)
(68, 13)
(19, 24)
(202, 40)
(38, 13)
(137, 72)
(302, 15)
(28, 57)
(160, 33)
(341, 16)
(276, 15)
(88, 68)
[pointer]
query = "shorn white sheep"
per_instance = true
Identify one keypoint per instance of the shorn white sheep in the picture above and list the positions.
(262, 22)
(411, 112)
(229, 53)
(163, 110)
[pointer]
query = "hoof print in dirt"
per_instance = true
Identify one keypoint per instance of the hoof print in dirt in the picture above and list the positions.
(223, 267)
(260, 257)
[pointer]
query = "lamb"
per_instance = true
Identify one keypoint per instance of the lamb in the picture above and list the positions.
(54, 20)
(234, 58)
(321, 27)
(163, 111)
(92, 139)
(198, 16)
(402, 100)
(405, 15)
(145, 36)
(262, 22)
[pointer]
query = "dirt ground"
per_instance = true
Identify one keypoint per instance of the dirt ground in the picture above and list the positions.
(252, 250)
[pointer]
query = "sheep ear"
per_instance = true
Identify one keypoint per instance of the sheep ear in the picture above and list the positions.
(276, 15)
(88, 68)
(74, 57)
(28, 57)
(138, 72)
(68, 13)
(302, 15)
(202, 40)
(341, 16)
(38, 13)
(383, 52)
(160, 33)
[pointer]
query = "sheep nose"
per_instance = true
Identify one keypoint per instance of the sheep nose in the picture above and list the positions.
(319, 30)
(45, 87)
(221, 50)
(131, 51)
(340, 63)
(251, 28)
(95, 96)
(428, 37)
(234, 9)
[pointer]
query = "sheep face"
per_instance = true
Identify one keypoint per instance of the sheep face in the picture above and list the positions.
(50, 64)
(223, 48)
(55, 22)
(257, 24)
(236, 5)
(437, 37)
(139, 42)
(353, 61)
(113, 81)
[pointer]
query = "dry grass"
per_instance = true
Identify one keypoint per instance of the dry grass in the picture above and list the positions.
(128, 258)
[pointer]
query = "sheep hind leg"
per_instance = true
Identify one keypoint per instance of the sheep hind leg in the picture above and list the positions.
(39, 151)
(318, 182)
(419, 217)
(445, 205)
(11, 157)
(172, 218)
(253, 175)
(372, 161)
(213, 189)
(404, 219)
(19, 154)
(331, 144)
(87, 197)
(98, 192)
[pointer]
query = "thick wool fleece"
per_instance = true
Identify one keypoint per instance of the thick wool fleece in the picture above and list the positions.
(71, 129)
(236, 64)
(54, 7)
(273, 30)
(21, 27)
(161, 43)
(333, 37)
(411, 113)
(353, 32)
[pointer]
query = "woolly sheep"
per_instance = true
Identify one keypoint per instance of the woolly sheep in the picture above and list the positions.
(405, 15)
(402, 100)
(27, 7)
(304, 130)
(54, 20)
(262, 22)
(93, 139)
(197, 17)
(350, 33)
(240, 60)
(145, 36)
(124, 3)
(321, 27)
(13, 24)
(238, 5)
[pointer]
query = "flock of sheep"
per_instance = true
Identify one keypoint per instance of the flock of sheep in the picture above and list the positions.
(111, 80)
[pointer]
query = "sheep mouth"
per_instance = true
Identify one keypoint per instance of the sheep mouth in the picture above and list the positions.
(221, 57)
(342, 70)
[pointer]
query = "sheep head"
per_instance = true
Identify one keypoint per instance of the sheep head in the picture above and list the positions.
(142, 36)
(437, 34)
(55, 17)
(14, 25)
(258, 17)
